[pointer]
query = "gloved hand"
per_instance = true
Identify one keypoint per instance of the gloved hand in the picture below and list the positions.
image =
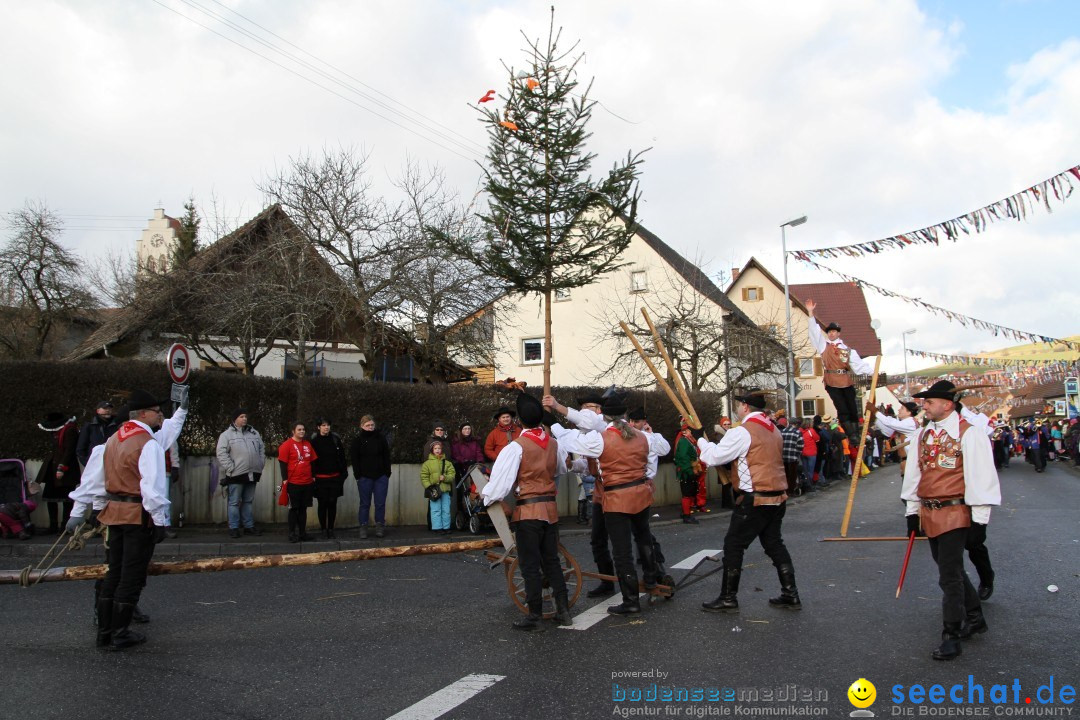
(913, 525)
(74, 523)
(93, 519)
(184, 393)
(697, 433)
(159, 534)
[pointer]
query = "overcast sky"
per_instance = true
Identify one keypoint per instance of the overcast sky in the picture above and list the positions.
(872, 118)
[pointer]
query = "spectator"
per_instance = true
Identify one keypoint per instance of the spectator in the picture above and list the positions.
(438, 434)
(504, 433)
(96, 431)
(1058, 439)
(465, 451)
(436, 470)
(809, 452)
(241, 455)
(792, 451)
(1072, 441)
(824, 444)
(60, 472)
(330, 469)
(370, 455)
(15, 519)
(295, 457)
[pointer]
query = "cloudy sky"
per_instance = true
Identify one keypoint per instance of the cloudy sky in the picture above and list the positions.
(872, 118)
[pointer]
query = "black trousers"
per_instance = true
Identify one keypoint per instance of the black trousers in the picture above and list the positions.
(599, 540)
(978, 554)
(844, 401)
(538, 555)
(299, 501)
(130, 550)
(959, 595)
(621, 528)
(750, 522)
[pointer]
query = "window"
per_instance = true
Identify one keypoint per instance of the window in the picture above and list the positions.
(532, 351)
(807, 408)
(562, 294)
(638, 281)
(809, 367)
(752, 294)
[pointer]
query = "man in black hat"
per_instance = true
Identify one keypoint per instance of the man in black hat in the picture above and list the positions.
(530, 464)
(623, 454)
(96, 431)
(904, 425)
(950, 485)
(840, 364)
(756, 446)
(504, 433)
(128, 474)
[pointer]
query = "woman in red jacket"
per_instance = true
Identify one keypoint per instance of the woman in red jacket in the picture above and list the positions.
(809, 450)
(295, 457)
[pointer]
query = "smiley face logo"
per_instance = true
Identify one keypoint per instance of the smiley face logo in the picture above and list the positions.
(862, 693)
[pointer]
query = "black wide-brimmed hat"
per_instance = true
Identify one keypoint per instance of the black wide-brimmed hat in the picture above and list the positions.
(614, 405)
(942, 390)
(637, 414)
(529, 410)
(503, 411)
(754, 397)
(832, 326)
(590, 398)
(141, 400)
(54, 421)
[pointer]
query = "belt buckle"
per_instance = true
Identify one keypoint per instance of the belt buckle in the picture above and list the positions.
(933, 504)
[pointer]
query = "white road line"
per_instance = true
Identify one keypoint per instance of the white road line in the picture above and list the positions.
(445, 700)
(593, 615)
(690, 562)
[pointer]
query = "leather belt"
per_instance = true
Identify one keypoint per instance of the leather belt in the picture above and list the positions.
(764, 493)
(539, 498)
(838, 372)
(935, 504)
(124, 498)
(632, 483)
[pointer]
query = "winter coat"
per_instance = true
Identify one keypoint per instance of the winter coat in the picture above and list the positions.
(433, 467)
(370, 455)
(241, 454)
(499, 438)
(63, 458)
(331, 463)
(94, 433)
(467, 451)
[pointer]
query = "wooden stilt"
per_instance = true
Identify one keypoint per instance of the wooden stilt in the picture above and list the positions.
(859, 458)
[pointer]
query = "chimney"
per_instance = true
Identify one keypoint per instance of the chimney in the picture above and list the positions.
(734, 274)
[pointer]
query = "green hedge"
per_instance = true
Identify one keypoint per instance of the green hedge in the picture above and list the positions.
(408, 412)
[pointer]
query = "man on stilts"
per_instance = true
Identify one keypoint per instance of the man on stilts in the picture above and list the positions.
(841, 363)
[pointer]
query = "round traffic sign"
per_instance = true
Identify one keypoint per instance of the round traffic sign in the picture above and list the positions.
(179, 363)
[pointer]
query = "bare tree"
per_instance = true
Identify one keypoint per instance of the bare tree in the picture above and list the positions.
(113, 277)
(40, 283)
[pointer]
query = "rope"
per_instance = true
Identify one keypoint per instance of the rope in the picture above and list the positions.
(76, 542)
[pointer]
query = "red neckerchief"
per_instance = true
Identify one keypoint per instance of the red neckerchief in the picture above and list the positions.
(765, 423)
(129, 430)
(538, 436)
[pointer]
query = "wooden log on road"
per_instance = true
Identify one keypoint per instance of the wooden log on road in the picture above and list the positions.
(249, 562)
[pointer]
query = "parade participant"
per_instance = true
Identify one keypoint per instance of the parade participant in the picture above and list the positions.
(904, 425)
(295, 457)
(688, 471)
(504, 433)
(59, 474)
(756, 446)
(127, 477)
(623, 455)
(639, 421)
(530, 464)
(841, 363)
(95, 432)
(951, 485)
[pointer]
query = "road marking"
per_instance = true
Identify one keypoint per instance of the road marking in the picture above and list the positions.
(690, 562)
(439, 703)
(593, 615)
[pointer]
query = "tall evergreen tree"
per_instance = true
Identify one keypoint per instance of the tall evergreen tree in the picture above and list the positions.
(187, 245)
(550, 225)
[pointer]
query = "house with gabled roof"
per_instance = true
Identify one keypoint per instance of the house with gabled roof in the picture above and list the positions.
(329, 349)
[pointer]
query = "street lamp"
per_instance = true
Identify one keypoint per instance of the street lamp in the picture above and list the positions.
(903, 337)
(787, 303)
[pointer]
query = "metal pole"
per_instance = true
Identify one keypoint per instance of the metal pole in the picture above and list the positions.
(904, 336)
(790, 342)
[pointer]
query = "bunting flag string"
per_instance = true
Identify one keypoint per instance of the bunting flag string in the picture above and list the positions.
(1016, 207)
(987, 360)
(964, 320)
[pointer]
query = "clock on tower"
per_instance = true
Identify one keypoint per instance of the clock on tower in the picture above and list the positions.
(157, 240)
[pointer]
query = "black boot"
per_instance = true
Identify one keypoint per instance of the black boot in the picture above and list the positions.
(562, 611)
(138, 616)
(122, 636)
(531, 622)
(789, 594)
(581, 517)
(104, 612)
(950, 642)
(728, 601)
(630, 604)
(301, 520)
(606, 587)
(974, 624)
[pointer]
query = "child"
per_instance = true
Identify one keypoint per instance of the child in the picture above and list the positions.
(438, 470)
(15, 519)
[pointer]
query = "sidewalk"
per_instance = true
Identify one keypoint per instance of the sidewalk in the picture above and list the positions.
(214, 540)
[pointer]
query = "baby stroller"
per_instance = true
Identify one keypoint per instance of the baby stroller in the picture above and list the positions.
(12, 481)
(471, 512)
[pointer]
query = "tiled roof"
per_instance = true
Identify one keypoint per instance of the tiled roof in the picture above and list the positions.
(844, 304)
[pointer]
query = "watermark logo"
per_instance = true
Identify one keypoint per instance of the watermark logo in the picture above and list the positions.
(862, 695)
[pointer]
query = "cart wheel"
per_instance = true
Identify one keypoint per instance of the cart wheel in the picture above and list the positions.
(459, 521)
(571, 574)
(670, 582)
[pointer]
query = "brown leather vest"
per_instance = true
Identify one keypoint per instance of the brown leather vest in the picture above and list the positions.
(623, 462)
(834, 359)
(598, 486)
(765, 461)
(536, 478)
(942, 464)
(122, 476)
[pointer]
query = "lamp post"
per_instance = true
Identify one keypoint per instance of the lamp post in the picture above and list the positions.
(903, 337)
(787, 306)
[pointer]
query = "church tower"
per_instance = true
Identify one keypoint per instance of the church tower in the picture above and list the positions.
(154, 250)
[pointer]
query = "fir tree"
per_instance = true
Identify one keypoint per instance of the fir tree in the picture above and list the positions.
(187, 245)
(550, 225)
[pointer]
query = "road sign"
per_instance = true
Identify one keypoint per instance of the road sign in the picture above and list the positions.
(1072, 386)
(179, 363)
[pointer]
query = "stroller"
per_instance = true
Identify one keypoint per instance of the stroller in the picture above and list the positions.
(12, 481)
(471, 512)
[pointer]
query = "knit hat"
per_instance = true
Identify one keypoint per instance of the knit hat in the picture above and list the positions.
(237, 413)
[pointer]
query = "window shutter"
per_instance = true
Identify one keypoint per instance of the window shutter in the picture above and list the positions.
(746, 294)
(818, 370)
(819, 405)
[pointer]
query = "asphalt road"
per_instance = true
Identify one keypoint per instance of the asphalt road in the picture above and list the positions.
(369, 640)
